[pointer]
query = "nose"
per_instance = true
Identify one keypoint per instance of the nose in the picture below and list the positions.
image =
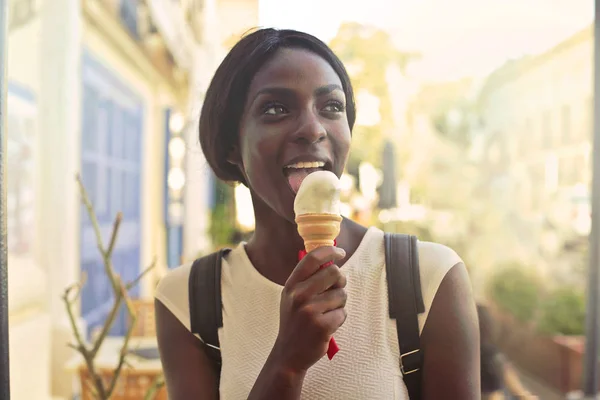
(310, 130)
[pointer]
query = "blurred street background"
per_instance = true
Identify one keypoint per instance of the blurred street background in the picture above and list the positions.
(474, 130)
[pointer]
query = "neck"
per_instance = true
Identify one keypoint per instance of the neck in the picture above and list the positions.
(274, 246)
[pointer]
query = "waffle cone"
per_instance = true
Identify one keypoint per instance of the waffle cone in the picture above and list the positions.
(318, 230)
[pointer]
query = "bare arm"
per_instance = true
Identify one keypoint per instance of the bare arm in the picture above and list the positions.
(450, 341)
(190, 375)
(276, 382)
(188, 371)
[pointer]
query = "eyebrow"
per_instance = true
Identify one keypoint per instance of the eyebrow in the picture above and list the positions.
(282, 91)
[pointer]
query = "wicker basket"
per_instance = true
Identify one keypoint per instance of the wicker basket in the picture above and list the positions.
(145, 324)
(132, 384)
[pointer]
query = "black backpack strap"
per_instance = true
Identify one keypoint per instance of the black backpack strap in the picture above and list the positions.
(405, 304)
(206, 315)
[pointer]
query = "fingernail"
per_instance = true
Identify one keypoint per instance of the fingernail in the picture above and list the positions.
(341, 252)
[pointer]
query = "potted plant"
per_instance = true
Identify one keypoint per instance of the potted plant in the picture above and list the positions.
(98, 384)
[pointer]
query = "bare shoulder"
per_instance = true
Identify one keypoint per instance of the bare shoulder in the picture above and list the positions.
(188, 371)
(435, 261)
(173, 291)
(444, 278)
(450, 337)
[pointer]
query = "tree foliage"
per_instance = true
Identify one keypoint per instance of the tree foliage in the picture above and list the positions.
(368, 52)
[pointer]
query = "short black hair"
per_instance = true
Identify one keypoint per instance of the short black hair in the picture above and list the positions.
(226, 95)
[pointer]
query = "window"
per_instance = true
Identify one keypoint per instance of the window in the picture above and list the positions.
(565, 116)
(21, 162)
(537, 175)
(571, 170)
(551, 173)
(525, 138)
(546, 133)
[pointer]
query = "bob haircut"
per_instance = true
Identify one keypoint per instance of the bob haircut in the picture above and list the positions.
(226, 95)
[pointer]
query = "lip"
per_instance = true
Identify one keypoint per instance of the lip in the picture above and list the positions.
(306, 158)
(309, 158)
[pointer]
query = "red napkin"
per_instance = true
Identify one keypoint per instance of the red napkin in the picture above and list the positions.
(333, 347)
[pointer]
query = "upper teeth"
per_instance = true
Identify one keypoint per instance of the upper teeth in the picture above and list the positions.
(313, 164)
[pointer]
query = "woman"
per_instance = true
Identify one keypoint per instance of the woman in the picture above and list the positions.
(499, 380)
(280, 106)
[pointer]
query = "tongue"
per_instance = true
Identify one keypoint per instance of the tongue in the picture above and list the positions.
(296, 176)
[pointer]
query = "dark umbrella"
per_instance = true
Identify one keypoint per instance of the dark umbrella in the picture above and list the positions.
(4, 361)
(387, 190)
(591, 381)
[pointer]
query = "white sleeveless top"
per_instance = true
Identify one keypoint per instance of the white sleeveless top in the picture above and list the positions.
(367, 365)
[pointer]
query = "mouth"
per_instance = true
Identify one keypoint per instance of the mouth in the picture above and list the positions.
(297, 172)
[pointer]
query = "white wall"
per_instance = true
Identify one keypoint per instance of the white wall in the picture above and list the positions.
(59, 96)
(29, 315)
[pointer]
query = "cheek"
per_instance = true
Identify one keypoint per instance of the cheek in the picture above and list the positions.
(257, 157)
(342, 143)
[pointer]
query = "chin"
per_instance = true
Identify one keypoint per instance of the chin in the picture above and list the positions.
(279, 206)
(287, 212)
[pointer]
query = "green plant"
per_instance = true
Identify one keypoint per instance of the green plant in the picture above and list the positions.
(221, 228)
(516, 290)
(563, 312)
(222, 218)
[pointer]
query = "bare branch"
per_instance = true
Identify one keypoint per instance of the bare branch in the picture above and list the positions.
(95, 383)
(77, 287)
(113, 236)
(106, 256)
(85, 198)
(92, 388)
(132, 284)
(110, 319)
(78, 337)
(157, 384)
(124, 349)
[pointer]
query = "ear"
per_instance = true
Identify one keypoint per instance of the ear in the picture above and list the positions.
(234, 157)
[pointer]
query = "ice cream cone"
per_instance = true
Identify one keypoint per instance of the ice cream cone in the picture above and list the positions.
(318, 230)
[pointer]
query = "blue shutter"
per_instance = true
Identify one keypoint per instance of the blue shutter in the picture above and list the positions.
(111, 133)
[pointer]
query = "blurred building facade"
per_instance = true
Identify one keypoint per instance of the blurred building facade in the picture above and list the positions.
(110, 90)
(536, 115)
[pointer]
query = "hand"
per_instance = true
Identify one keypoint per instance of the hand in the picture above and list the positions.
(527, 395)
(311, 310)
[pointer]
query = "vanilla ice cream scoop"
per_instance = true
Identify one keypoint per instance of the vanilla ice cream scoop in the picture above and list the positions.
(319, 193)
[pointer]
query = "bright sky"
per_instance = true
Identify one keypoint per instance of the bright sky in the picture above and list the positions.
(457, 37)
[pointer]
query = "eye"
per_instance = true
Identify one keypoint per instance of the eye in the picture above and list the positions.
(334, 107)
(274, 109)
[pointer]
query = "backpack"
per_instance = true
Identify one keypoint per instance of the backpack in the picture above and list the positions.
(404, 293)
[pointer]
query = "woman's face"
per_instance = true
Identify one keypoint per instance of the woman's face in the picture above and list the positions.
(294, 123)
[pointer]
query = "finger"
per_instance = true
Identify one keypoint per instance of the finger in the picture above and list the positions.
(312, 262)
(332, 320)
(322, 280)
(330, 300)
(342, 281)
